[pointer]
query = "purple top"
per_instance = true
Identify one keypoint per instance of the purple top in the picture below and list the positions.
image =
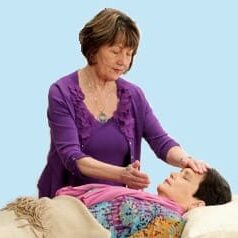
(75, 133)
(105, 142)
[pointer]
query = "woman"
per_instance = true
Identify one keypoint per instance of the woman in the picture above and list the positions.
(132, 213)
(99, 210)
(97, 119)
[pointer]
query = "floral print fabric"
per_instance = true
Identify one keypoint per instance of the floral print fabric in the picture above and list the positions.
(132, 217)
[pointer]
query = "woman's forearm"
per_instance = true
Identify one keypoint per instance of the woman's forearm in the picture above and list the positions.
(176, 156)
(91, 167)
(129, 176)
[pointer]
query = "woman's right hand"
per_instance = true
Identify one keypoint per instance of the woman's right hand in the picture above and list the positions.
(133, 178)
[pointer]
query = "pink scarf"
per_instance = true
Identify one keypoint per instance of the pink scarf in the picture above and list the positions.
(91, 194)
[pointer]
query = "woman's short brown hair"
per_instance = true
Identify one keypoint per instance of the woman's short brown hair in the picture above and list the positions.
(104, 29)
(214, 189)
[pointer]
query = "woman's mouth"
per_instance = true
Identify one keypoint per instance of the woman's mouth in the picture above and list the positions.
(118, 71)
(168, 181)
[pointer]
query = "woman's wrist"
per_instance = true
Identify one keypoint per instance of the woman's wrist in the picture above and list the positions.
(183, 161)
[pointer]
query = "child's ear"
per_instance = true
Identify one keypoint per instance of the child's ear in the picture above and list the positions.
(197, 203)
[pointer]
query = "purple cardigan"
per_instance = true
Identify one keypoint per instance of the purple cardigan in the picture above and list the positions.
(70, 128)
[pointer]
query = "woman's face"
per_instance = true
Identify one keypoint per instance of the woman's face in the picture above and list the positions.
(180, 187)
(112, 61)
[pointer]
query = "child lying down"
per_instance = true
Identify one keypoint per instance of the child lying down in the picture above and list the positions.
(127, 212)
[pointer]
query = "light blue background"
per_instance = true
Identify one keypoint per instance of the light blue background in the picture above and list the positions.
(186, 64)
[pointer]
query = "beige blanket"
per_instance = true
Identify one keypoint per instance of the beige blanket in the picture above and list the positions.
(61, 217)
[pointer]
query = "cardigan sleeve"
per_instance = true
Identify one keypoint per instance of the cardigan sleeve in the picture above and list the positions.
(153, 132)
(63, 129)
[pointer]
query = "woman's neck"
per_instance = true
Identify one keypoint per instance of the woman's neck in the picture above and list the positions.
(94, 79)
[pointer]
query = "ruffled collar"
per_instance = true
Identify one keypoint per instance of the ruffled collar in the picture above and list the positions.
(85, 120)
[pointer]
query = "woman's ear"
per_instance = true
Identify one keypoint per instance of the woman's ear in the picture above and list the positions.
(197, 203)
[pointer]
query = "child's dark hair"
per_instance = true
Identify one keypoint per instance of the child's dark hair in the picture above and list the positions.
(214, 189)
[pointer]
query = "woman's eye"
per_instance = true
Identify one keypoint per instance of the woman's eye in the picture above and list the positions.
(186, 178)
(115, 52)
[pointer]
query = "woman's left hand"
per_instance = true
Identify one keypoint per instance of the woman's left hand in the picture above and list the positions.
(133, 177)
(198, 166)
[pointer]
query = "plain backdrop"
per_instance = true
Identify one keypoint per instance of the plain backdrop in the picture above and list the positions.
(186, 64)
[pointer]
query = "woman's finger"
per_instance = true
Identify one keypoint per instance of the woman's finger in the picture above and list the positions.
(198, 166)
(136, 164)
(134, 178)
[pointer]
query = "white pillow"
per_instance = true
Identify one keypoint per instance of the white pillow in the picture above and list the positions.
(219, 221)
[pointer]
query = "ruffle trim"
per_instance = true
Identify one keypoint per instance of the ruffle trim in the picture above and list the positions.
(122, 116)
(84, 120)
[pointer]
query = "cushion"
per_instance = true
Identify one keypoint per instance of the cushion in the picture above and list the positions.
(212, 221)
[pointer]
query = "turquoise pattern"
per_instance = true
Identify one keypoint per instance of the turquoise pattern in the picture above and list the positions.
(126, 215)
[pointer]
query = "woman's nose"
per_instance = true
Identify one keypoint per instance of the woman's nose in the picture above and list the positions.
(173, 175)
(122, 59)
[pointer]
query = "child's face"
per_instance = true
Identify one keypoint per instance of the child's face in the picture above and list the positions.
(181, 186)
